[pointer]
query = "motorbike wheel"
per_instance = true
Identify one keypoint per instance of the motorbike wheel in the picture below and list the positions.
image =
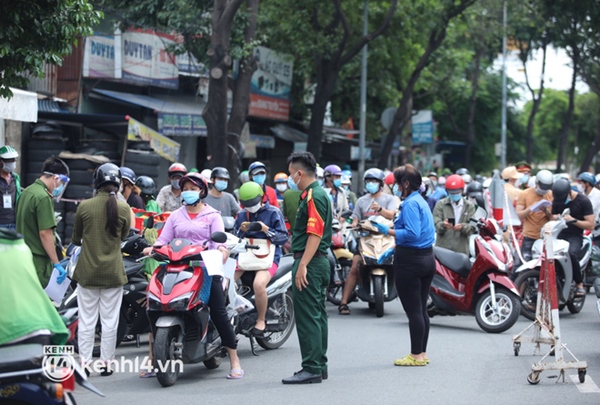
(213, 362)
(506, 315)
(576, 304)
(335, 292)
(274, 340)
(379, 298)
(527, 284)
(164, 353)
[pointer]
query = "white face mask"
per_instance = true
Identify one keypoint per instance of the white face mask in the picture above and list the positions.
(281, 187)
(253, 209)
(580, 188)
(9, 167)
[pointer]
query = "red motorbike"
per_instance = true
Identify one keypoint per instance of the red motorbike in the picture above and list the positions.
(479, 286)
(177, 308)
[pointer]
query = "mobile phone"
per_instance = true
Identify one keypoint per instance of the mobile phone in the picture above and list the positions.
(451, 221)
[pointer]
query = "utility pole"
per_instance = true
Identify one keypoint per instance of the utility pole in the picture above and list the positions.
(363, 98)
(503, 129)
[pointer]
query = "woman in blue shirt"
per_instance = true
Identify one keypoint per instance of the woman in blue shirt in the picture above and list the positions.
(414, 263)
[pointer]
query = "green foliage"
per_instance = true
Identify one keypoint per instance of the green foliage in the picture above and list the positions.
(38, 32)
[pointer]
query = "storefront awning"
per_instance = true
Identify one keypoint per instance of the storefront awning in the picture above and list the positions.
(91, 120)
(177, 116)
(23, 106)
(289, 134)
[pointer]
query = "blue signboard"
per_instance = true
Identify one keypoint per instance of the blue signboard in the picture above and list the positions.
(422, 127)
(181, 124)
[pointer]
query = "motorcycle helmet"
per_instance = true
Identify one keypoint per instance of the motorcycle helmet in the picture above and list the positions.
(389, 179)
(244, 178)
(332, 170)
(588, 178)
(473, 188)
(196, 179)
(206, 174)
(346, 180)
(374, 174)
(442, 181)
(108, 173)
(462, 171)
(560, 190)
(467, 178)
(177, 169)
(8, 152)
(250, 194)
(146, 185)
(320, 172)
(220, 172)
(127, 173)
(256, 167)
(347, 173)
(544, 179)
(280, 178)
(455, 183)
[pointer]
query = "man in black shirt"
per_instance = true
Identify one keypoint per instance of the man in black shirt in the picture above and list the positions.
(582, 213)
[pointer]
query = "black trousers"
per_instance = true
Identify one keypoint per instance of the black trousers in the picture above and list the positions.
(575, 242)
(414, 270)
(218, 313)
(526, 247)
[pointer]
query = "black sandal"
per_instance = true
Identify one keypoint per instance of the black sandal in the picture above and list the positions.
(343, 309)
(259, 333)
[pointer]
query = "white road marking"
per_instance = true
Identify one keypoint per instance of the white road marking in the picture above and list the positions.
(589, 386)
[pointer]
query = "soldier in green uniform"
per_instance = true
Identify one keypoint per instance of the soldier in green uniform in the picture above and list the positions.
(35, 217)
(311, 238)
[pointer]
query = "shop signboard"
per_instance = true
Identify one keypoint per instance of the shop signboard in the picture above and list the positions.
(165, 147)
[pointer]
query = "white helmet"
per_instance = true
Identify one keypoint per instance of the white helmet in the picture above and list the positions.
(487, 182)
(320, 172)
(8, 152)
(206, 174)
(544, 179)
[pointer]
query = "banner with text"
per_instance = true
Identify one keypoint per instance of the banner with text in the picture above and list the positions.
(422, 127)
(181, 124)
(147, 61)
(165, 147)
(271, 85)
(101, 58)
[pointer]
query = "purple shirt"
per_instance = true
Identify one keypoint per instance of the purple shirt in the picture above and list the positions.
(197, 230)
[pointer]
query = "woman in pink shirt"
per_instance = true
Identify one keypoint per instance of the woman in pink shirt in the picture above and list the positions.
(196, 221)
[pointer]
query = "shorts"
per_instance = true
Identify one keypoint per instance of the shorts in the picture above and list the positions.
(272, 270)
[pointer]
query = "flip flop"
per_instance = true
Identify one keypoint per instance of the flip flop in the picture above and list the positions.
(147, 374)
(235, 374)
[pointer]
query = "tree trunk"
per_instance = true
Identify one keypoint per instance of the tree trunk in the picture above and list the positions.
(326, 79)
(241, 98)
(473, 105)
(537, 101)
(592, 149)
(566, 127)
(215, 112)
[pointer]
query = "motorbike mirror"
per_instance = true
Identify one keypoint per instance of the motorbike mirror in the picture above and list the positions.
(150, 222)
(218, 237)
(346, 214)
(254, 227)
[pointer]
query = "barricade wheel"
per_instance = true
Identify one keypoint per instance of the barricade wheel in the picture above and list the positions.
(581, 373)
(533, 378)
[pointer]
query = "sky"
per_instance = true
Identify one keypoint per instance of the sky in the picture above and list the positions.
(558, 72)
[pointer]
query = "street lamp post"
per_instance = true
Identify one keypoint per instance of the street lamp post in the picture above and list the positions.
(503, 129)
(363, 98)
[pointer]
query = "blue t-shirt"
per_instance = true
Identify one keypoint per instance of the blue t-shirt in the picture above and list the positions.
(414, 226)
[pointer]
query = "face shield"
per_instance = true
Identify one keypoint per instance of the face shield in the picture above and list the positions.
(60, 184)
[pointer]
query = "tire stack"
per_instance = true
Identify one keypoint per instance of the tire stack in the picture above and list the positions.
(142, 160)
(80, 188)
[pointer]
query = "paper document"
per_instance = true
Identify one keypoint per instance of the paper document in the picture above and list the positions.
(229, 268)
(540, 205)
(56, 291)
(213, 260)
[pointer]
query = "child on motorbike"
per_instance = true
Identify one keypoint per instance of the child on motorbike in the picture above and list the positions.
(273, 229)
(196, 222)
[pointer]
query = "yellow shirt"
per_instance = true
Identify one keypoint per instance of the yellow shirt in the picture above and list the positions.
(534, 221)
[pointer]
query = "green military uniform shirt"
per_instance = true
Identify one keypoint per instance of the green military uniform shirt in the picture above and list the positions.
(35, 213)
(27, 308)
(291, 199)
(100, 262)
(314, 216)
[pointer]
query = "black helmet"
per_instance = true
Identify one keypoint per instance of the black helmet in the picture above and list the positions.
(105, 174)
(220, 172)
(462, 171)
(375, 174)
(474, 187)
(146, 184)
(560, 190)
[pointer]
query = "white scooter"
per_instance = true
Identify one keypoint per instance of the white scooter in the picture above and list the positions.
(528, 273)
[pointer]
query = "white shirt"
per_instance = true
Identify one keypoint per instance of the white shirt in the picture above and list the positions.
(458, 209)
(594, 197)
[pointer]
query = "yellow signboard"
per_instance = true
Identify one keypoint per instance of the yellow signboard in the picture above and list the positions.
(165, 147)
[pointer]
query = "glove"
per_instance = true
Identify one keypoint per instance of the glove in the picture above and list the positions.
(62, 273)
(385, 256)
(381, 228)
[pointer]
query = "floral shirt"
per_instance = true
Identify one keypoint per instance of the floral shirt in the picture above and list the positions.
(167, 201)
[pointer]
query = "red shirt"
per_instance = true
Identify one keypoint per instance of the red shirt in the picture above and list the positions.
(271, 197)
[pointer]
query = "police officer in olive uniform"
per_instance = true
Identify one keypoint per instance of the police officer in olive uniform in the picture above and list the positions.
(310, 240)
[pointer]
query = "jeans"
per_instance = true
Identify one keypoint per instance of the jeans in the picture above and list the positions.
(526, 248)
(8, 226)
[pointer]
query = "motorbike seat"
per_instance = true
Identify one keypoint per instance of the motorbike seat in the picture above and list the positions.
(457, 262)
(21, 357)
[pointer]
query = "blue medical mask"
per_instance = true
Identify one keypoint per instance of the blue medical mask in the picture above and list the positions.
(259, 179)
(524, 179)
(337, 182)
(320, 181)
(346, 187)
(396, 191)
(568, 200)
(190, 197)
(220, 185)
(455, 197)
(58, 190)
(293, 186)
(372, 188)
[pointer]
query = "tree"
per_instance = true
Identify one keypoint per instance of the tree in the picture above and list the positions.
(330, 40)
(440, 18)
(38, 32)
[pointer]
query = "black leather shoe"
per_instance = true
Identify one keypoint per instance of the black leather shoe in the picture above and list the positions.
(303, 377)
(324, 375)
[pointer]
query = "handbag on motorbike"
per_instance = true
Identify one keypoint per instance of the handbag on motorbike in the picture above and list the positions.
(257, 259)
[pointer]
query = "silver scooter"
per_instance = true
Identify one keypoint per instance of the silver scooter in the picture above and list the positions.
(528, 273)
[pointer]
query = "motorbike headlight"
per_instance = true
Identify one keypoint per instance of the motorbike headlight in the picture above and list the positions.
(154, 303)
(180, 303)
